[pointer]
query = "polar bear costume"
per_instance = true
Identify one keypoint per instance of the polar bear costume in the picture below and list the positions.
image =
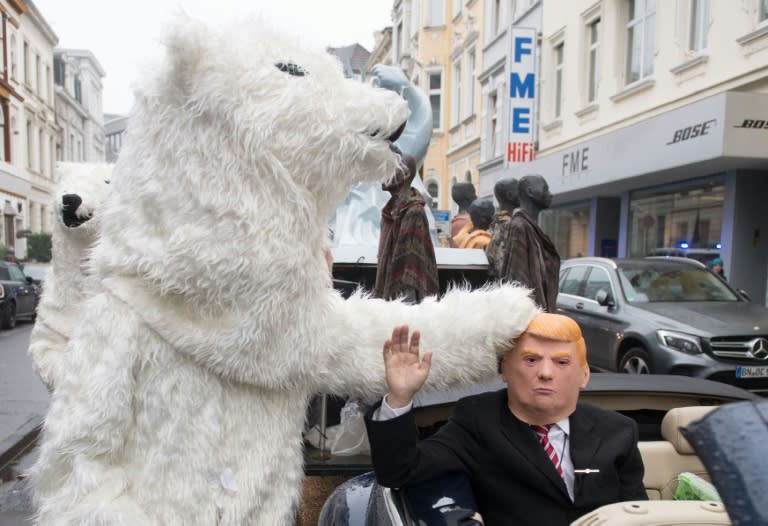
(77, 204)
(217, 321)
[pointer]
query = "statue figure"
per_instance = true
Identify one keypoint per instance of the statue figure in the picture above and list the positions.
(531, 257)
(481, 213)
(407, 267)
(506, 193)
(463, 194)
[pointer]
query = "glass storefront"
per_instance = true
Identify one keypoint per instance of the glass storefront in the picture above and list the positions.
(677, 222)
(568, 228)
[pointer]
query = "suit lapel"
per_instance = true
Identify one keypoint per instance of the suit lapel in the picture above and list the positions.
(523, 439)
(584, 444)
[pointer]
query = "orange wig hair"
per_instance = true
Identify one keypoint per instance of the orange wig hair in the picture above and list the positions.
(556, 327)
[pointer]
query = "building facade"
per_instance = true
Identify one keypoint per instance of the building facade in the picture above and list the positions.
(79, 109)
(115, 127)
(653, 133)
(499, 17)
(29, 123)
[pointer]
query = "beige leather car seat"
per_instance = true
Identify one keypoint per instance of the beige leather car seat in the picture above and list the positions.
(665, 459)
(657, 513)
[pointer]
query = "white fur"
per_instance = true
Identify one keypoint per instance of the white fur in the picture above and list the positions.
(68, 282)
(217, 319)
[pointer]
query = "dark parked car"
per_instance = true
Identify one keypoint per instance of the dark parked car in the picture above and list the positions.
(665, 315)
(18, 295)
(37, 271)
(449, 501)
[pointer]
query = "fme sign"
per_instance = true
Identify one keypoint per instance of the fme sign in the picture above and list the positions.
(521, 64)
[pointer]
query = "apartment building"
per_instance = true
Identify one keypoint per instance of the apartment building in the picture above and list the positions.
(80, 112)
(27, 155)
(653, 130)
(463, 124)
(421, 46)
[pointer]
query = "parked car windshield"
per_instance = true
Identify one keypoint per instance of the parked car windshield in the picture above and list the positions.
(36, 271)
(651, 282)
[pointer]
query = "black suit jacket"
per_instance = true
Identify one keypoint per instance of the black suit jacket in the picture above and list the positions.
(513, 479)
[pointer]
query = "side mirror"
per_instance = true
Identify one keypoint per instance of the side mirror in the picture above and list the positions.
(604, 298)
(29, 280)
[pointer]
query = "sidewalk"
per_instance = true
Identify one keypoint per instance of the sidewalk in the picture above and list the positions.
(23, 396)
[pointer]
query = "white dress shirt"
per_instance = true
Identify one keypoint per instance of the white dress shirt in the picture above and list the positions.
(558, 437)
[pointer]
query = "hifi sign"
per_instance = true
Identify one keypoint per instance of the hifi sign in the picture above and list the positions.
(521, 64)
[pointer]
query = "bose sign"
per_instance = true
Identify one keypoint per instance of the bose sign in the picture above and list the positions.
(521, 65)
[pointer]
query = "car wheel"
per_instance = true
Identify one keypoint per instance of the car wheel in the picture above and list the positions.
(8, 320)
(635, 361)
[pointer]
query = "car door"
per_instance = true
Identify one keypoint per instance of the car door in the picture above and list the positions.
(25, 299)
(600, 324)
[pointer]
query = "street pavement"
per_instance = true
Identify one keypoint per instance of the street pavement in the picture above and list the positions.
(23, 404)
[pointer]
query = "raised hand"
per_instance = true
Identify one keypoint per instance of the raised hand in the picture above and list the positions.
(406, 373)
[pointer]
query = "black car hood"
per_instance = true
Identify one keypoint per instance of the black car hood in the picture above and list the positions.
(710, 317)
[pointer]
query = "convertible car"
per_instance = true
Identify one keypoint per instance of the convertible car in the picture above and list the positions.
(660, 404)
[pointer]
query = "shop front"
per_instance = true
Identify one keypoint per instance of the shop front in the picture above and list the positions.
(692, 181)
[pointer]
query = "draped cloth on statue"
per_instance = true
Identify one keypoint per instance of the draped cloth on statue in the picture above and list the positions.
(406, 257)
(532, 259)
(496, 251)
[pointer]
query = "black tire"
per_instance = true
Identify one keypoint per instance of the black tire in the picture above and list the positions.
(635, 361)
(8, 320)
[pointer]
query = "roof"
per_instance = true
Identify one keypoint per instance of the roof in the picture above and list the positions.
(353, 57)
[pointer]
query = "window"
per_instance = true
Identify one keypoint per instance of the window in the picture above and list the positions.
(641, 37)
(690, 218)
(78, 90)
(436, 98)
(699, 25)
(58, 71)
(13, 56)
(26, 63)
(399, 42)
(415, 16)
(568, 228)
(559, 49)
(38, 75)
(29, 144)
(571, 279)
(469, 104)
(41, 152)
(456, 95)
(436, 13)
(493, 125)
(598, 280)
(495, 17)
(763, 11)
(593, 60)
(456, 7)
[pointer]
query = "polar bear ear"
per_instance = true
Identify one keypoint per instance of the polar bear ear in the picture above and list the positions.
(185, 45)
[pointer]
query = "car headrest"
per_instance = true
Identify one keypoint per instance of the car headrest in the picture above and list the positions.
(681, 417)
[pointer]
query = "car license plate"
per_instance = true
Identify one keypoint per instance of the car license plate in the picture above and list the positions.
(752, 372)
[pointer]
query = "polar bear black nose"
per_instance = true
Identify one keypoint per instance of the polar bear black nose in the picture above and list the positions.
(69, 206)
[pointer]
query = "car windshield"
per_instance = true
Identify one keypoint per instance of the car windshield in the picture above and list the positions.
(651, 283)
(5, 274)
(35, 271)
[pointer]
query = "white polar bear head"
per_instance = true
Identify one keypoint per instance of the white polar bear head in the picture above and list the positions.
(79, 197)
(239, 146)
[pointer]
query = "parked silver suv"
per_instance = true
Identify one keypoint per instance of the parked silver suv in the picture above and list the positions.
(665, 315)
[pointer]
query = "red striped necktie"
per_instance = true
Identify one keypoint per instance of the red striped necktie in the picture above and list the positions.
(549, 449)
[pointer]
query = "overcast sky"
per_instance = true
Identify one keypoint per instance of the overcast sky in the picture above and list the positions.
(122, 34)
